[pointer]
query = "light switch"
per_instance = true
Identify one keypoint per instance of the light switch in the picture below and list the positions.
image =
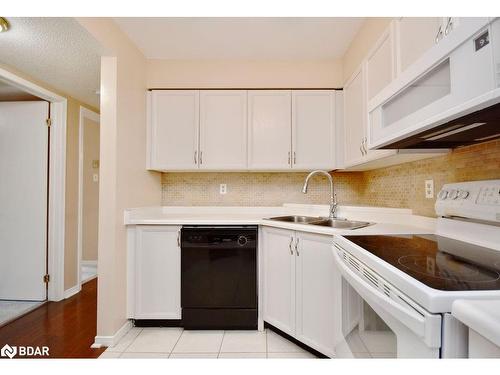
(95, 177)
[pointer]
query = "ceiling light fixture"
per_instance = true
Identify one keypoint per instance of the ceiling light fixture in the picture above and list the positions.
(4, 25)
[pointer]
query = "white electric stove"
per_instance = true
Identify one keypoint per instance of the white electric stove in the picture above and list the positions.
(397, 290)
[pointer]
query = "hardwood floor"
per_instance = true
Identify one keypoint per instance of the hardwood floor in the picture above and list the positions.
(68, 327)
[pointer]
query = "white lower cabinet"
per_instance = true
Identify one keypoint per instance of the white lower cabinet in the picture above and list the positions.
(156, 273)
(315, 292)
(279, 279)
(299, 296)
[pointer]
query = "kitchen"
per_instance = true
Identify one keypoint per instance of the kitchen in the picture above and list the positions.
(290, 282)
(255, 204)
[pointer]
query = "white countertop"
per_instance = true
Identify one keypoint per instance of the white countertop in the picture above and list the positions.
(386, 220)
(483, 316)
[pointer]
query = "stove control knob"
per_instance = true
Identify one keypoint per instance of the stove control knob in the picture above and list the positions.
(463, 194)
(443, 194)
(242, 240)
(453, 194)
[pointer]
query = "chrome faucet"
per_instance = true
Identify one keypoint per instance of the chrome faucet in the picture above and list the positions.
(333, 196)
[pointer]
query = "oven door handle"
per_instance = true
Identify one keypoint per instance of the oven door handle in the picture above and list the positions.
(423, 324)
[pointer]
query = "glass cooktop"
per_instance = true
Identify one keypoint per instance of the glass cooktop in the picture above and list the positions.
(438, 262)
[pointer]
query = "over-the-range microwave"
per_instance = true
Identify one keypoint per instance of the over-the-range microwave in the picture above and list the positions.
(448, 98)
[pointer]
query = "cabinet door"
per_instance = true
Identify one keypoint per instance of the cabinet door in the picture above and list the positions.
(354, 118)
(415, 36)
(316, 299)
(279, 279)
(313, 129)
(269, 129)
(173, 135)
(157, 273)
(380, 64)
(223, 129)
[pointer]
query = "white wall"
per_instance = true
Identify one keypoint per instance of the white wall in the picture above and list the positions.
(244, 74)
(124, 179)
(90, 194)
(365, 38)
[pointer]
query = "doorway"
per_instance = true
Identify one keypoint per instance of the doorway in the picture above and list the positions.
(88, 195)
(55, 194)
(24, 167)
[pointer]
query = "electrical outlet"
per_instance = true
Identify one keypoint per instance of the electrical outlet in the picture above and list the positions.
(429, 189)
(222, 189)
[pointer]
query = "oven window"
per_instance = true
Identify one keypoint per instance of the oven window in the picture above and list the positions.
(365, 334)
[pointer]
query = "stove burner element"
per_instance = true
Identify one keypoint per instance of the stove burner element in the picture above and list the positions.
(447, 267)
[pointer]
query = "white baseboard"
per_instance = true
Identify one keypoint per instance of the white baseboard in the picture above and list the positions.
(110, 341)
(72, 291)
(88, 279)
(90, 263)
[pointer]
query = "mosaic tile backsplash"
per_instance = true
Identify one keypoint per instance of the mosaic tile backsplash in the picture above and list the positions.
(253, 189)
(396, 186)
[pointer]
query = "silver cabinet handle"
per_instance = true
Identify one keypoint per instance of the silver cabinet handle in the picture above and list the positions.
(439, 34)
(179, 238)
(364, 146)
(449, 26)
(196, 157)
(297, 246)
(294, 158)
(288, 157)
(290, 245)
(201, 157)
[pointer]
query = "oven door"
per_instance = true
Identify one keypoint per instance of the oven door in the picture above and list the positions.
(376, 319)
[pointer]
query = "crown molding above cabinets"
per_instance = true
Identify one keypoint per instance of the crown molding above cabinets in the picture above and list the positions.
(242, 130)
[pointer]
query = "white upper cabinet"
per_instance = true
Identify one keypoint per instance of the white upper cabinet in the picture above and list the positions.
(173, 129)
(269, 132)
(374, 77)
(223, 130)
(313, 129)
(354, 119)
(415, 36)
(380, 64)
(234, 130)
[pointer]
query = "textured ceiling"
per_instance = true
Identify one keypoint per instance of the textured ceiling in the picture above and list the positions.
(241, 38)
(57, 51)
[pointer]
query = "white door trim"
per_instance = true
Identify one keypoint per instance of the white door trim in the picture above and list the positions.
(91, 115)
(57, 179)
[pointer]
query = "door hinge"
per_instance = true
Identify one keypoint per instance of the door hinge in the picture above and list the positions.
(48, 122)
(46, 279)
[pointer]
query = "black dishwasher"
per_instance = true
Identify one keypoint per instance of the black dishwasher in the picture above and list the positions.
(219, 277)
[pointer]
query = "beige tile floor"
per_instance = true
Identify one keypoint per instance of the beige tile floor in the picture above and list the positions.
(177, 343)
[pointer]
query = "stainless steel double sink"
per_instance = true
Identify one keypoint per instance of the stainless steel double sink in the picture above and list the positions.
(322, 221)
